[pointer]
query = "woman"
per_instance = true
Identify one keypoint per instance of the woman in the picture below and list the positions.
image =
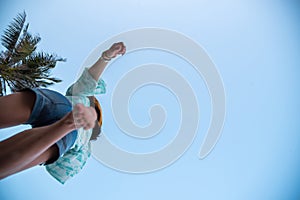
(60, 137)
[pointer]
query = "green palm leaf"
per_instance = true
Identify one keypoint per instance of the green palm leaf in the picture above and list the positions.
(20, 65)
(13, 32)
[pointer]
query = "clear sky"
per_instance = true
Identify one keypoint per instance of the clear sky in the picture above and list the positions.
(255, 47)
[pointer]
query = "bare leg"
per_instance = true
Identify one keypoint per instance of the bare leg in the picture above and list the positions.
(49, 154)
(16, 108)
(31, 145)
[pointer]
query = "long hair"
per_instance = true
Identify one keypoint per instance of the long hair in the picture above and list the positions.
(98, 124)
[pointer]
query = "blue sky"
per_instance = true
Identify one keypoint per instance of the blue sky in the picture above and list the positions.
(255, 46)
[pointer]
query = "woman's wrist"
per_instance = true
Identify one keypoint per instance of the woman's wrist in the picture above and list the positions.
(105, 57)
(67, 122)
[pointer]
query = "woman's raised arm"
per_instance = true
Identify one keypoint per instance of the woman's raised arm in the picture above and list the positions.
(116, 49)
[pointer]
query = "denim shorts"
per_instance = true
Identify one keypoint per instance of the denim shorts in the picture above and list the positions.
(49, 107)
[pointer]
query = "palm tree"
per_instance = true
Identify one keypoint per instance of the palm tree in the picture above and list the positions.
(21, 66)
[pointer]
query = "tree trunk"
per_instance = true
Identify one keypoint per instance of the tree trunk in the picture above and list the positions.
(1, 93)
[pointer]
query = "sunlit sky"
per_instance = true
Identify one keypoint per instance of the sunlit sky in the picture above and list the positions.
(255, 46)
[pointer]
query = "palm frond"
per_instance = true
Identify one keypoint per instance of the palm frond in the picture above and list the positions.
(26, 46)
(11, 35)
(20, 65)
(45, 61)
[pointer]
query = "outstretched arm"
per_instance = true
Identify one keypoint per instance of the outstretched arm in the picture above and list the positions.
(116, 49)
(89, 80)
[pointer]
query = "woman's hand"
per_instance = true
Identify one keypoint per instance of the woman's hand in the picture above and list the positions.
(84, 117)
(116, 49)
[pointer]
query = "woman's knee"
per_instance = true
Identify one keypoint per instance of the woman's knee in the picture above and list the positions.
(16, 108)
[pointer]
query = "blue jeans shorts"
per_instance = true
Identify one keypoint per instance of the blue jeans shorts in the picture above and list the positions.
(49, 107)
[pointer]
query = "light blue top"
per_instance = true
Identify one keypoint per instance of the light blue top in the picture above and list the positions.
(70, 164)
